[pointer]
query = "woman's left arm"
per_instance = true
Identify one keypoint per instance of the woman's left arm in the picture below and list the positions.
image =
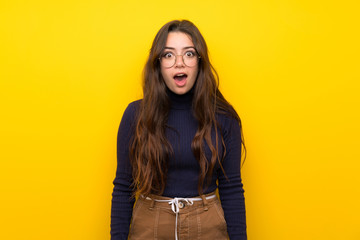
(230, 186)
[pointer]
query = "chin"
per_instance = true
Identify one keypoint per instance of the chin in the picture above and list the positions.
(181, 91)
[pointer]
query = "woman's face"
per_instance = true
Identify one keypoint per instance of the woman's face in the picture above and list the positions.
(179, 78)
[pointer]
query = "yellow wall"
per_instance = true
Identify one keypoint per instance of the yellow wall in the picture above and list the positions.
(68, 69)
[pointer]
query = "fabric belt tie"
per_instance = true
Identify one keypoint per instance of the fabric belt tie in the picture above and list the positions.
(174, 202)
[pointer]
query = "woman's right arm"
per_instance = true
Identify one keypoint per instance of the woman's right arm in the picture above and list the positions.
(122, 201)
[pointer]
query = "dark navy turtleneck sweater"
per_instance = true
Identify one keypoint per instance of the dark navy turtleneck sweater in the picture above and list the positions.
(183, 173)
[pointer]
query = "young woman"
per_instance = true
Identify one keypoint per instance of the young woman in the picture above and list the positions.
(176, 146)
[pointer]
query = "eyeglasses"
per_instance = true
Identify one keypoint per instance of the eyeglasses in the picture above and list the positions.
(190, 58)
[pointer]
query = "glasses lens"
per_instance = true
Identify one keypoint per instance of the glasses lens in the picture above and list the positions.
(190, 58)
(190, 61)
(167, 60)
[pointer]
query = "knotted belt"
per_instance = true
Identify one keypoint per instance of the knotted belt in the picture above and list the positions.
(177, 203)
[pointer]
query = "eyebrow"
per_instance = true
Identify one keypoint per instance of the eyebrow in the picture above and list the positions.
(183, 47)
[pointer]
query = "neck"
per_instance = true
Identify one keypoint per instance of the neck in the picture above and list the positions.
(183, 101)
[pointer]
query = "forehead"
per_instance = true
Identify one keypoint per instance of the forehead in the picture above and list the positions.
(178, 40)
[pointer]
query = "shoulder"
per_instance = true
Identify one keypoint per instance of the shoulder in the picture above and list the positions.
(130, 113)
(229, 125)
(134, 105)
(225, 119)
(132, 109)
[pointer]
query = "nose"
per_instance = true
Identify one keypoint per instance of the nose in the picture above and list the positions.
(179, 62)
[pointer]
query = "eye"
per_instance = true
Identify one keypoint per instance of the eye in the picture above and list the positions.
(190, 54)
(168, 55)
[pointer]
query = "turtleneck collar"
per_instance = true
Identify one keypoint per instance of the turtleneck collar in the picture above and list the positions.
(183, 101)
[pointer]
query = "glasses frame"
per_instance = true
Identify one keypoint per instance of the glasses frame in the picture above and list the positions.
(182, 55)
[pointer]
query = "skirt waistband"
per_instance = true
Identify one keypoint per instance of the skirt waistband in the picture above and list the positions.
(178, 203)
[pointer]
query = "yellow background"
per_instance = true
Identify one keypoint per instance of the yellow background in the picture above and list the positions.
(68, 69)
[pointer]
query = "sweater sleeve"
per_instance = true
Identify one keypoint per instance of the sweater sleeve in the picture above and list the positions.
(122, 202)
(231, 188)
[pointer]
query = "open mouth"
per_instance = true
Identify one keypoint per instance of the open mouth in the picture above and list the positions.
(180, 79)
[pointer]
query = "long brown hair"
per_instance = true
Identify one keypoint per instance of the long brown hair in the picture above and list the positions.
(150, 150)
